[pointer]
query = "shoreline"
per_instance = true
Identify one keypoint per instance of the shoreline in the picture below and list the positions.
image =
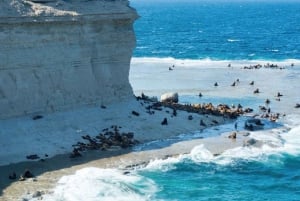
(51, 170)
(146, 128)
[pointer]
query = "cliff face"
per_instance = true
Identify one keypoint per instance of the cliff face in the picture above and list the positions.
(57, 55)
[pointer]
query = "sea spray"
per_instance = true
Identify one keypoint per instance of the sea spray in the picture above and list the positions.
(102, 184)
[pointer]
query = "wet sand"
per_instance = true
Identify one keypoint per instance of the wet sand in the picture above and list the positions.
(51, 170)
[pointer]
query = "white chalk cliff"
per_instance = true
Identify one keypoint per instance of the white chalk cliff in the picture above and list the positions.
(57, 55)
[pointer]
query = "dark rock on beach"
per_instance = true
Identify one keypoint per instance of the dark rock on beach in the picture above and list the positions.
(250, 142)
(37, 194)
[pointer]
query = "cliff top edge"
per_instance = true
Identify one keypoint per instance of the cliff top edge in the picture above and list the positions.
(51, 8)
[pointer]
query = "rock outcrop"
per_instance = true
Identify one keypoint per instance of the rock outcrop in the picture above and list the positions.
(57, 55)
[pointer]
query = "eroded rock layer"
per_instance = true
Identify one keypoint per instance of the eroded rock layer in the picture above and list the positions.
(57, 55)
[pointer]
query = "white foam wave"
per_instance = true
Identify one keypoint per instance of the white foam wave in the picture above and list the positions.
(233, 40)
(95, 184)
(163, 165)
(293, 139)
(201, 154)
(275, 142)
(209, 63)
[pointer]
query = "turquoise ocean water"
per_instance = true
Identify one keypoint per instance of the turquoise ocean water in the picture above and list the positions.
(209, 31)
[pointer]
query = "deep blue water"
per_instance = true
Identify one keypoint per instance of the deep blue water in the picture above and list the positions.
(210, 29)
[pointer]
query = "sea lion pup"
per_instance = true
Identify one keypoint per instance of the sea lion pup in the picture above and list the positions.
(216, 84)
(252, 83)
(200, 94)
(268, 101)
(233, 84)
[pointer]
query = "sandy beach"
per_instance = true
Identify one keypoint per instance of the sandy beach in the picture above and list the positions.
(54, 134)
(58, 147)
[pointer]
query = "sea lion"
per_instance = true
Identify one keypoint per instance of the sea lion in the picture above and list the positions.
(232, 135)
(12, 176)
(256, 91)
(164, 122)
(135, 113)
(202, 123)
(279, 94)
